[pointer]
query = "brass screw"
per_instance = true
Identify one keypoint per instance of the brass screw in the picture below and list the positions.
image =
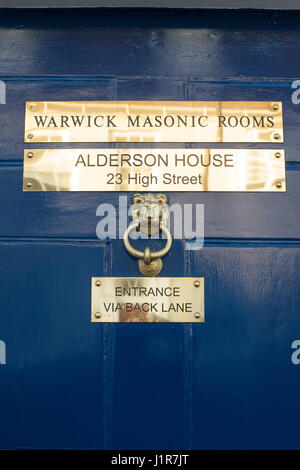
(197, 315)
(28, 185)
(30, 136)
(276, 136)
(275, 107)
(98, 315)
(278, 185)
(197, 283)
(98, 283)
(29, 154)
(277, 155)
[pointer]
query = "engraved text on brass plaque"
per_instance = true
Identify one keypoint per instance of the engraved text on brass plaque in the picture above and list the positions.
(144, 299)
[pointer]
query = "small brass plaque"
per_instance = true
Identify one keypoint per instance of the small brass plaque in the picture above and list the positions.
(154, 170)
(153, 121)
(145, 299)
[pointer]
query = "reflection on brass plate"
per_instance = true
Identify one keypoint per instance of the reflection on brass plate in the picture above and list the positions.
(153, 121)
(144, 299)
(154, 170)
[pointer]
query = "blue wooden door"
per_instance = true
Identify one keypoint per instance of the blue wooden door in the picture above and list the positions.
(68, 383)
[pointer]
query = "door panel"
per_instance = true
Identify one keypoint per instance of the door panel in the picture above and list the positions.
(245, 383)
(52, 385)
(227, 383)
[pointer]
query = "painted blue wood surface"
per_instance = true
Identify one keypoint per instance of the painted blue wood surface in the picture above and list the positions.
(52, 384)
(228, 383)
(191, 44)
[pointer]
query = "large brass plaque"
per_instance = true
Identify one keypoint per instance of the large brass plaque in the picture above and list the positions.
(153, 121)
(154, 170)
(147, 299)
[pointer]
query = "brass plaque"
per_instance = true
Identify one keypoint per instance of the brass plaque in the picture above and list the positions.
(153, 121)
(154, 170)
(147, 299)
